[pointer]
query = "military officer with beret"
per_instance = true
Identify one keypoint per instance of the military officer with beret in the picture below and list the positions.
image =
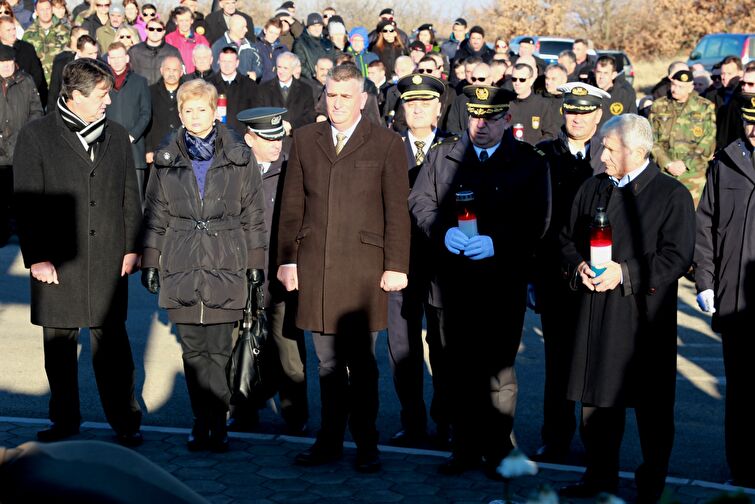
(264, 135)
(573, 157)
(723, 276)
(480, 282)
(684, 128)
(421, 95)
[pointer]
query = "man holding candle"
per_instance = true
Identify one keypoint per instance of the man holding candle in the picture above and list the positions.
(624, 352)
(480, 275)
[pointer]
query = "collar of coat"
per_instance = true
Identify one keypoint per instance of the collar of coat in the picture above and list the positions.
(637, 185)
(229, 149)
(738, 159)
(507, 147)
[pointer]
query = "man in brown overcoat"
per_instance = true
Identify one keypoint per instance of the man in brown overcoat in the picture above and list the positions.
(343, 242)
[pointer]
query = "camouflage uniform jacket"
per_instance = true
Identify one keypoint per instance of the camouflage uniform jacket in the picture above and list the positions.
(687, 132)
(47, 45)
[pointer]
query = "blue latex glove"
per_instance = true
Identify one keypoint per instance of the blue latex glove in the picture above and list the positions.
(455, 240)
(479, 247)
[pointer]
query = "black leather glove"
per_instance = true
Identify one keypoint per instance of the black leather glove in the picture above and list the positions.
(256, 277)
(151, 280)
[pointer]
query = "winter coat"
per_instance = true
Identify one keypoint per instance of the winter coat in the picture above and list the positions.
(625, 341)
(19, 104)
(27, 60)
(240, 93)
(216, 26)
(146, 59)
(165, 120)
(725, 248)
(300, 106)
(344, 221)
(465, 51)
(203, 246)
(309, 49)
(82, 216)
(249, 58)
(268, 55)
(131, 107)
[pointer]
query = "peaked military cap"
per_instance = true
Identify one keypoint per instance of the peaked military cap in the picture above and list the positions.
(420, 87)
(487, 101)
(748, 108)
(7, 53)
(682, 76)
(266, 122)
(527, 40)
(581, 98)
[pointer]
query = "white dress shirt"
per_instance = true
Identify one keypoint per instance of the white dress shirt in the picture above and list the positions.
(428, 142)
(347, 133)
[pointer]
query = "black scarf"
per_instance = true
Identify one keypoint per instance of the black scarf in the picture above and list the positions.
(90, 132)
(201, 149)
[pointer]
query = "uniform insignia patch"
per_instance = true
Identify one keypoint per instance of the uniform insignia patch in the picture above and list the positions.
(535, 122)
(752, 100)
(416, 80)
(481, 93)
(684, 78)
(579, 91)
(276, 120)
(616, 108)
(697, 131)
(200, 30)
(166, 156)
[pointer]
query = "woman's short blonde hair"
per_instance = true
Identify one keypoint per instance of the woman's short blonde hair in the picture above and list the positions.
(197, 89)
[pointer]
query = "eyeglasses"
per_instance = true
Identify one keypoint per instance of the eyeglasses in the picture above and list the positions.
(748, 84)
(149, 14)
(385, 30)
(501, 46)
(715, 77)
(124, 36)
(518, 79)
(103, 5)
(157, 29)
(425, 70)
(477, 79)
(3, 13)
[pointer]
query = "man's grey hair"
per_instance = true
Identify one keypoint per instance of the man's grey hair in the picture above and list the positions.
(346, 72)
(634, 131)
(293, 58)
(402, 60)
(198, 50)
(676, 66)
(171, 58)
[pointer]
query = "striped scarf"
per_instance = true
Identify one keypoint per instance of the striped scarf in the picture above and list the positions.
(90, 132)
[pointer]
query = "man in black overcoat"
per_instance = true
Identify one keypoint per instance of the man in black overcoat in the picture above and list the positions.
(78, 223)
(624, 353)
(725, 276)
(480, 285)
(163, 94)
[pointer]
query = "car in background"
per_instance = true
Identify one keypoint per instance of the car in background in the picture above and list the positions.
(623, 63)
(547, 48)
(715, 47)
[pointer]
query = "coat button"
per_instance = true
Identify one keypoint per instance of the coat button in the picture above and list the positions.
(651, 290)
(92, 203)
(91, 174)
(92, 232)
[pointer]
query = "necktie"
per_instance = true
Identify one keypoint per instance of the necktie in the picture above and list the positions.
(419, 157)
(284, 92)
(340, 142)
(484, 156)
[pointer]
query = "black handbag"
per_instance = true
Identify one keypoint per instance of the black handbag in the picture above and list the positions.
(247, 374)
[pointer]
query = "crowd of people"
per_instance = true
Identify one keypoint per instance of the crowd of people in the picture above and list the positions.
(371, 180)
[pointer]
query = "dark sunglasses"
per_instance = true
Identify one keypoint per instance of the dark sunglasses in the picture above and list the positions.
(518, 79)
(502, 46)
(124, 36)
(149, 14)
(103, 5)
(715, 77)
(478, 79)
(747, 84)
(388, 31)
(158, 29)
(3, 12)
(425, 70)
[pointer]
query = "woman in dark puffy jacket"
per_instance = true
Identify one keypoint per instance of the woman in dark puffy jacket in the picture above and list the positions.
(388, 45)
(204, 234)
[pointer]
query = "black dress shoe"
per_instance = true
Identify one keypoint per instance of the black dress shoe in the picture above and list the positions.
(219, 444)
(130, 439)
(367, 461)
(57, 432)
(457, 464)
(318, 454)
(296, 429)
(551, 453)
(585, 490)
(406, 438)
(199, 439)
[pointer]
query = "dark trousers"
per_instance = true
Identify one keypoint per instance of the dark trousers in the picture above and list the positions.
(482, 344)
(557, 316)
(289, 342)
(113, 371)
(602, 430)
(441, 366)
(739, 348)
(348, 386)
(140, 183)
(6, 196)
(206, 352)
(406, 354)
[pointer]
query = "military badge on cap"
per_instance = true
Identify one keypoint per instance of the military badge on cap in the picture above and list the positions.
(265, 122)
(748, 108)
(682, 76)
(420, 87)
(581, 98)
(487, 101)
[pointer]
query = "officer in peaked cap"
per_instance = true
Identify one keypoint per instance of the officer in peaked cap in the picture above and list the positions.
(265, 134)
(421, 94)
(478, 288)
(748, 108)
(573, 157)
